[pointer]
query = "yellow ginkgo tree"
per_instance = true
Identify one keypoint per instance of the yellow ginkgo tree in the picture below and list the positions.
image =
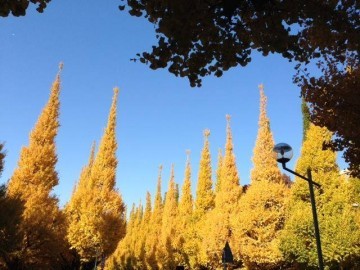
(32, 182)
(96, 213)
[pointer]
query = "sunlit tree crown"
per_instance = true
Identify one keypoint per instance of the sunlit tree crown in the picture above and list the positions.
(104, 167)
(334, 208)
(186, 199)
(33, 181)
(98, 222)
(265, 166)
(230, 190)
(204, 201)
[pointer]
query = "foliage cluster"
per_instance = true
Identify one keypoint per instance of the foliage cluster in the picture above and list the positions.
(34, 232)
(210, 37)
(267, 224)
(202, 38)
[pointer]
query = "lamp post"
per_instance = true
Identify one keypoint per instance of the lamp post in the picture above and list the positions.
(284, 153)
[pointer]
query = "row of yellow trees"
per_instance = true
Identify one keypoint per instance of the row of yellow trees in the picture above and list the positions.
(34, 232)
(268, 223)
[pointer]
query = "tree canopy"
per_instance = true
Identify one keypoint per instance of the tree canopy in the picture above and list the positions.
(201, 38)
(204, 38)
(208, 37)
(18, 8)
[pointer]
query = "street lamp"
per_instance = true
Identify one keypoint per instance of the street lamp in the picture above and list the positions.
(283, 154)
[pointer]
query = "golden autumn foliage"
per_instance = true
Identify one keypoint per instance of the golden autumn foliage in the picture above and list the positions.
(261, 216)
(96, 213)
(259, 224)
(203, 204)
(219, 171)
(268, 225)
(184, 219)
(204, 201)
(42, 226)
(218, 229)
(265, 166)
(166, 252)
(339, 229)
(153, 238)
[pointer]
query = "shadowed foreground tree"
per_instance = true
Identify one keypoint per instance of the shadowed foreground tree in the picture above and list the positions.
(335, 103)
(18, 8)
(205, 37)
(10, 219)
(200, 38)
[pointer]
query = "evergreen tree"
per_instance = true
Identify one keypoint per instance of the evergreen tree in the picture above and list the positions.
(333, 200)
(100, 224)
(265, 166)
(218, 228)
(33, 181)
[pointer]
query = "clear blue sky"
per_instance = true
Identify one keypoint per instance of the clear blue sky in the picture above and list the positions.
(159, 115)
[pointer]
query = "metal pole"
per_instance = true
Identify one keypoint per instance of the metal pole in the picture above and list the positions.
(316, 224)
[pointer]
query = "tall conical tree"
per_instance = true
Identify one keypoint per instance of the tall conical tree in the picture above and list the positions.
(265, 166)
(186, 199)
(166, 255)
(262, 208)
(183, 245)
(145, 230)
(32, 182)
(153, 238)
(230, 190)
(218, 228)
(204, 201)
(102, 222)
(334, 207)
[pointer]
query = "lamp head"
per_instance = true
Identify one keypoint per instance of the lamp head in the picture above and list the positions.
(283, 152)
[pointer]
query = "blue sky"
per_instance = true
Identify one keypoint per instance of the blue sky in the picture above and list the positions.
(159, 115)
